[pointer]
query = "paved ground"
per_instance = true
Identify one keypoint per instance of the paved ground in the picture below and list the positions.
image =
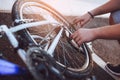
(108, 50)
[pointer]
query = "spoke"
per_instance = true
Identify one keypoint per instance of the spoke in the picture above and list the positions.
(65, 52)
(48, 35)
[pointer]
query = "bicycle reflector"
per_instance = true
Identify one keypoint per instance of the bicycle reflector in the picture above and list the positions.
(9, 68)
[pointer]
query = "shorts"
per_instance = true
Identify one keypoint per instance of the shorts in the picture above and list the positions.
(116, 16)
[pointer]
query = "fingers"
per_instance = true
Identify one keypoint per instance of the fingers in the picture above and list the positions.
(76, 37)
(79, 22)
(82, 20)
(80, 42)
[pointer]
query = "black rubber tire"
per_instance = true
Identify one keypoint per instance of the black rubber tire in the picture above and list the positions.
(26, 39)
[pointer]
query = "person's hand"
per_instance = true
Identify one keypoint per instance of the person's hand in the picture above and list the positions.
(83, 35)
(82, 20)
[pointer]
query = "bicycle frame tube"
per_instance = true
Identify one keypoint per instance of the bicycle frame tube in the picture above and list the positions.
(13, 41)
(10, 36)
(28, 25)
(54, 43)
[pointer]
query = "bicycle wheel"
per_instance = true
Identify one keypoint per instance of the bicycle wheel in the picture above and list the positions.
(71, 61)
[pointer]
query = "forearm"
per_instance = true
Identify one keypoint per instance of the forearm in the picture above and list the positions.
(108, 32)
(110, 6)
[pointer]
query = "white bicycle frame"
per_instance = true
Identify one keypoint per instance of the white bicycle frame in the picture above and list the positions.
(10, 34)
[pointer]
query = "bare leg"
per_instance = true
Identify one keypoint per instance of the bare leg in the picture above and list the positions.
(115, 19)
(111, 21)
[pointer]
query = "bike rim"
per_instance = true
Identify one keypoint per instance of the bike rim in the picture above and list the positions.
(65, 54)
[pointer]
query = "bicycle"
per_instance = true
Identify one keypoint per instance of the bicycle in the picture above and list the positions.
(41, 36)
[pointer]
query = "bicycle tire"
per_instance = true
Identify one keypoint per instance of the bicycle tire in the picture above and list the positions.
(69, 69)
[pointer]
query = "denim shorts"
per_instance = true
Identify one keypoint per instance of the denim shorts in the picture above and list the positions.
(116, 16)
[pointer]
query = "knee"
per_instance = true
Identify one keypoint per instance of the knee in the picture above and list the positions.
(111, 21)
(114, 18)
